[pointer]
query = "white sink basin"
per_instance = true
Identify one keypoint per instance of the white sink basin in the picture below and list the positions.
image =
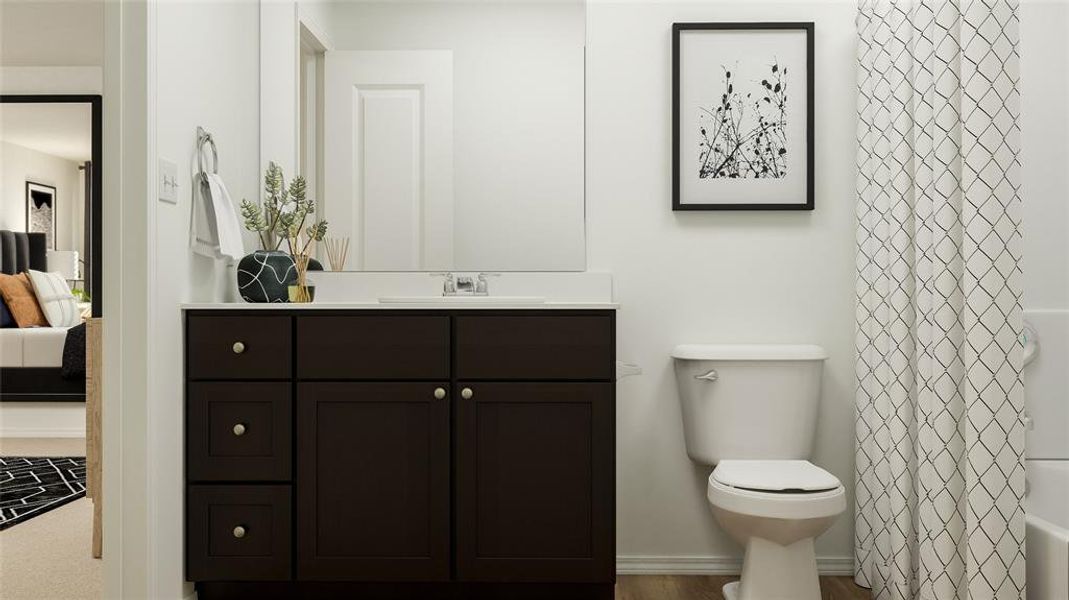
(510, 300)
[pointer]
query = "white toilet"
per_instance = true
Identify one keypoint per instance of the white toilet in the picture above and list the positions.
(751, 410)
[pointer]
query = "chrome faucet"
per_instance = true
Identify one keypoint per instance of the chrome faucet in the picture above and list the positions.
(482, 286)
(449, 284)
(465, 285)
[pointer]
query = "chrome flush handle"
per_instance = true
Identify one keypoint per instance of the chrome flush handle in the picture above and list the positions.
(710, 376)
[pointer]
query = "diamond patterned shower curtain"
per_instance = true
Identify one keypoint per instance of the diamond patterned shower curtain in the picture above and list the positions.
(940, 441)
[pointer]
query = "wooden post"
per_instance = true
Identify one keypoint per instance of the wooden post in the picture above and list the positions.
(94, 445)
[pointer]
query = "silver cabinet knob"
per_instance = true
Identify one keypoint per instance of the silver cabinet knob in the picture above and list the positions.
(239, 532)
(439, 393)
(239, 429)
(466, 393)
(239, 347)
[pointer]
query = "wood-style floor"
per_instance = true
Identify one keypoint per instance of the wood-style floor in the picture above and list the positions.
(707, 587)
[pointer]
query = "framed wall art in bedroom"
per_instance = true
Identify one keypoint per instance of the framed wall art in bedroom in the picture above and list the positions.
(41, 211)
(742, 116)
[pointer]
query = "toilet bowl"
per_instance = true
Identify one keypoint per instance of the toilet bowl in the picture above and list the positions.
(775, 509)
(751, 410)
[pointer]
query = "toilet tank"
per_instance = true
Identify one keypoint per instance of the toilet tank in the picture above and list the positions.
(749, 401)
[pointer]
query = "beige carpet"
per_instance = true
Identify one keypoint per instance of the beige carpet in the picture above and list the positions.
(48, 557)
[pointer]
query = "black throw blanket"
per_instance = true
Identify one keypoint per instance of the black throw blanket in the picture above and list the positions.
(74, 353)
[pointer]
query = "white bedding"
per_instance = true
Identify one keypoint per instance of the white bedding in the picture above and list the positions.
(32, 347)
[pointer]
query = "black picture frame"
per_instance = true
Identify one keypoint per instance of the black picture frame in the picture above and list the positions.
(677, 28)
(94, 217)
(33, 187)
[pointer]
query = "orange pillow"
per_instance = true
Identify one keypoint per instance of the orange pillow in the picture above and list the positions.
(21, 301)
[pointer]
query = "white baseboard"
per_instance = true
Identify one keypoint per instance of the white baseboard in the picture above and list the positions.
(42, 419)
(42, 432)
(713, 565)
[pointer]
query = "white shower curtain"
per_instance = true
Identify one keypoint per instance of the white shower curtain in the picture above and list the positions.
(940, 441)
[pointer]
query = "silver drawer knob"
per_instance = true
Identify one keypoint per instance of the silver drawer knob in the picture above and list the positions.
(239, 347)
(239, 429)
(439, 393)
(239, 532)
(466, 393)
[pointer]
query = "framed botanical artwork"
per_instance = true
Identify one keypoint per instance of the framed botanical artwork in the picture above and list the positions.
(41, 211)
(742, 116)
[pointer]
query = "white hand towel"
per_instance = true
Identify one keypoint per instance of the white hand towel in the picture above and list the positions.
(202, 232)
(215, 230)
(226, 219)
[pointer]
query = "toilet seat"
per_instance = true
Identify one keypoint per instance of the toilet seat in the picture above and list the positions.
(778, 489)
(774, 475)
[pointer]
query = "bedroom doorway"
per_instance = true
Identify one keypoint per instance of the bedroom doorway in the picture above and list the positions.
(51, 283)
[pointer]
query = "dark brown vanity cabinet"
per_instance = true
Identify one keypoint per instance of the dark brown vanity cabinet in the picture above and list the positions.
(373, 500)
(442, 454)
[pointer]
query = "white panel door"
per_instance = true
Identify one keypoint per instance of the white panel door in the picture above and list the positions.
(388, 159)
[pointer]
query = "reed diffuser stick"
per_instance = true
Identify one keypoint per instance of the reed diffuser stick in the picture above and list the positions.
(337, 252)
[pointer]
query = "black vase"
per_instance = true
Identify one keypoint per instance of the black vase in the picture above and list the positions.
(266, 275)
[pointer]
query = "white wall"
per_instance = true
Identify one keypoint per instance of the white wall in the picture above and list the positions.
(48, 34)
(1045, 151)
(518, 119)
(207, 74)
(714, 276)
(18, 165)
(1045, 196)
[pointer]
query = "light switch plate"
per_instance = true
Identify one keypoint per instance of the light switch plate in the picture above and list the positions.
(168, 181)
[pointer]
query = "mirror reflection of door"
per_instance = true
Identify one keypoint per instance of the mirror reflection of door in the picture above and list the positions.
(389, 157)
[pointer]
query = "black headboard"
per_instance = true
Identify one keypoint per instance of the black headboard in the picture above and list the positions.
(21, 251)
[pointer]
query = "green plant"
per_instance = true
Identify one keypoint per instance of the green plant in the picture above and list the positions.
(283, 217)
(283, 214)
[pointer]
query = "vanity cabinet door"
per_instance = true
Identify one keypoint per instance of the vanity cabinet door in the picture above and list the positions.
(373, 481)
(534, 482)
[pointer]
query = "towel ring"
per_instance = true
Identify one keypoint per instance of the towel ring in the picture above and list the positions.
(203, 137)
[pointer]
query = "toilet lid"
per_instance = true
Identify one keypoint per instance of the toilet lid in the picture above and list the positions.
(774, 475)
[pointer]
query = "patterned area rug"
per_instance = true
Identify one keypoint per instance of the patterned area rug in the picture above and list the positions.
(31, 486)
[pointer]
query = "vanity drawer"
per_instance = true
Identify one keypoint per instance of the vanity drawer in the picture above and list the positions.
(239, 431)
(239, 347)
(238, 532)
(573, 347)
(373, 347)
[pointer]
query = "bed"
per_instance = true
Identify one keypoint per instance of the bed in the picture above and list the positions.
(31, 359)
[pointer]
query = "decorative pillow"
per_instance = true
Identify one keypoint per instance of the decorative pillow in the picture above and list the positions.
(56, 299)
(18, 295)
(6, 320)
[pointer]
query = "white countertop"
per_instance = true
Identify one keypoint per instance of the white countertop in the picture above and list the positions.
(312, 306)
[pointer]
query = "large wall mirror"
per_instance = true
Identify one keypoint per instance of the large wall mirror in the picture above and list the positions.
(443, 135)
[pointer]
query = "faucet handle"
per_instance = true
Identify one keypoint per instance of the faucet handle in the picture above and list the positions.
(482, 286)
(449, 286)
